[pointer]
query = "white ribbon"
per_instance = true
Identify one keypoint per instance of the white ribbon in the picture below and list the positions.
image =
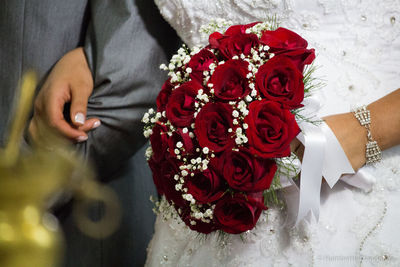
(310, 178)
(323, 157)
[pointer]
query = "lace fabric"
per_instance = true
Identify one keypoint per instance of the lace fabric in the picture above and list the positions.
(358, 54)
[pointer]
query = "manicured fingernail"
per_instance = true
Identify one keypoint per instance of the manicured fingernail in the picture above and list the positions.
(80, 118)
(81, 138)
(96, 124)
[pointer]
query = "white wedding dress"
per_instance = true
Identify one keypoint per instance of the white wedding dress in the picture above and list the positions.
(358, 50)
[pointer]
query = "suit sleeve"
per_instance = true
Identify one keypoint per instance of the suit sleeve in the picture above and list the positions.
(126, 41)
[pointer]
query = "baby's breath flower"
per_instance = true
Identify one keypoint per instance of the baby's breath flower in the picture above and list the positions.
(149, 153)
(179, 144)
(178, 187)
(147, 133)
(186, 60)
(238, 141)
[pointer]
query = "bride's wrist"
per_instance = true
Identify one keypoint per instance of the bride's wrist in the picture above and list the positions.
(351, 136)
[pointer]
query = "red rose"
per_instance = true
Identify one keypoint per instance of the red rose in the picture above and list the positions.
(238, 213)
(288, 43)
(199, 225)
(163, 176)
(282, 40)
(159, 142)
(237, 44)
(271, 129)
(234, 41)
(215, 38)
(212, 124)
(300, 57)
(206, 186)
(235, 29)
(164, 94)
(229, 80)
(184, 138)
(181, 104)
(245, 172)
(200, 63)
(280, 80)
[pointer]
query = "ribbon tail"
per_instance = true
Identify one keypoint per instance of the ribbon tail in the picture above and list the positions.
(335, 160)
(311, 171)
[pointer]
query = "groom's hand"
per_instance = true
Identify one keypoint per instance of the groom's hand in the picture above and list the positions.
(70, 81)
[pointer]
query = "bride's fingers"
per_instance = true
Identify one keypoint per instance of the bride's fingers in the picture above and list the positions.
(297, 148)
(294, 144)
(90, 124)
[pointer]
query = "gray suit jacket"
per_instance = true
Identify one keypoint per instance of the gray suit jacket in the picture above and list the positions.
(125, 41)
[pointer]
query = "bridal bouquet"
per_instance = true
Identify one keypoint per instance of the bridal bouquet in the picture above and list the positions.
(224, 118)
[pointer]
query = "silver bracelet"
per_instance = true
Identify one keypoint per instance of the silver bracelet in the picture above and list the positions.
(373, 152)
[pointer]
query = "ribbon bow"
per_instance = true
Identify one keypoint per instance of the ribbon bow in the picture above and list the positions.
(323, 157)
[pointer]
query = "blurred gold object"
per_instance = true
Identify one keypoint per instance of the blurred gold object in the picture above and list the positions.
(29, 235)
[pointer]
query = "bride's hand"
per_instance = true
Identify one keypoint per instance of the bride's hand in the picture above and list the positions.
(350, 134)
(385, 129)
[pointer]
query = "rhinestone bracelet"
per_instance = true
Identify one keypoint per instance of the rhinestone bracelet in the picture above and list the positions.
(373, 152)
